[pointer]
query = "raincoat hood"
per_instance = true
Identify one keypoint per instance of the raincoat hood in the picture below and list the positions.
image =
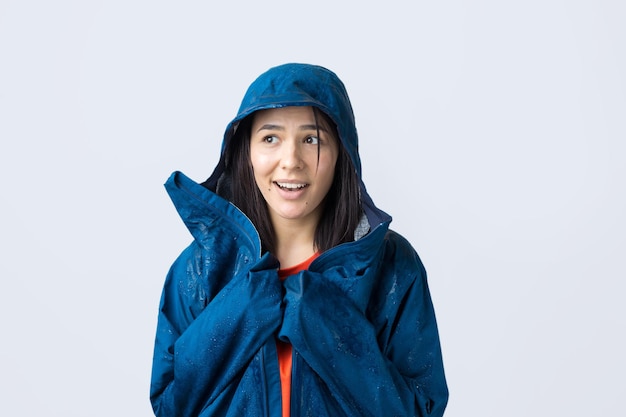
(302, 85)
(297, 84)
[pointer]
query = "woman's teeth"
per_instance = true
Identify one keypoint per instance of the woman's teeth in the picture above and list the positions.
(290, 186)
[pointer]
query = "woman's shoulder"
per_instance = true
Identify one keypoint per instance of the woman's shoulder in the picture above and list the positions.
(400, 264)
(399, 251)
(400, 275)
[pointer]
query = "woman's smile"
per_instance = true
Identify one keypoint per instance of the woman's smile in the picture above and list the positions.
(290, 186)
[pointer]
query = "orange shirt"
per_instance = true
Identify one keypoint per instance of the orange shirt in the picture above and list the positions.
(284, 348)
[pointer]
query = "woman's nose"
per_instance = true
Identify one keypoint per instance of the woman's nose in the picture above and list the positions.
(291, 157)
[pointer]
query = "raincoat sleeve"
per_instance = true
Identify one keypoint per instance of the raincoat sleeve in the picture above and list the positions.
(205, 337)
(371, 338)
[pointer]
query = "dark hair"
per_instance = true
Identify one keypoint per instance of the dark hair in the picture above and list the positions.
(342, 206)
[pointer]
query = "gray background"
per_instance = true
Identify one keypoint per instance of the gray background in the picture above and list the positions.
(494, 133)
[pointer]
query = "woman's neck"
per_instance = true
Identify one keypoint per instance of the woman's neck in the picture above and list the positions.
(294, 242)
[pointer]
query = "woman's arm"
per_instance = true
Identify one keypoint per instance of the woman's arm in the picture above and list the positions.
(391, 368)
(199, 350)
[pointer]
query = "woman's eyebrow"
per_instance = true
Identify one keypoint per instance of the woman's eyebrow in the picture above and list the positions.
(270, 126)
(313, 127)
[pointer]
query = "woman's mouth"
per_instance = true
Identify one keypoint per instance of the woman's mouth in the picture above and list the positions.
(290, 186)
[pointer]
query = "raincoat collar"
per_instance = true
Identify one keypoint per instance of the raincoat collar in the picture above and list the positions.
(201, 210)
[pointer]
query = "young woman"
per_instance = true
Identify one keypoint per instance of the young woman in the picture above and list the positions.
(294, 297)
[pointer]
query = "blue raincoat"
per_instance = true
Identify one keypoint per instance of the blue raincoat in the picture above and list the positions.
(360, 319)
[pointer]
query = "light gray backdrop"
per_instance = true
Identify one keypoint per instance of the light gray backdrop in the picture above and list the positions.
(494, 132)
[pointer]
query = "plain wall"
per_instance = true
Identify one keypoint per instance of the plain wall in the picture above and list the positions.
(493, 132)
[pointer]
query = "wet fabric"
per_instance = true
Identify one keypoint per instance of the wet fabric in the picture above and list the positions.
(285, 351)
(360, 320)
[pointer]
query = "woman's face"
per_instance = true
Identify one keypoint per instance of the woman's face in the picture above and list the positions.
(284, 155)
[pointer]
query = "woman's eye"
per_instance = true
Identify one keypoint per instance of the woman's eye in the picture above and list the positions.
(312, 140)
(270, 139)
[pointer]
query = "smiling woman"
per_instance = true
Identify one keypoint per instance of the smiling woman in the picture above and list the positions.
(294, 166)
(294, 297)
